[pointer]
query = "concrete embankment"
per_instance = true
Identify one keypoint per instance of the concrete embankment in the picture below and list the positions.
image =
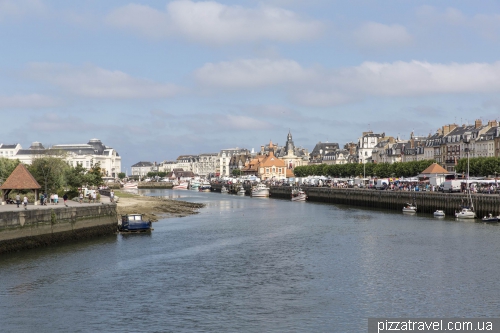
(427, 202)
(24, 229)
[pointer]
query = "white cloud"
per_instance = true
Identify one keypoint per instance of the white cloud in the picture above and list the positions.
(33, 101)
(403, 79)
(251, 73)
(95, 82)
(15, 9)
(214, 23)
(485, 25)
(375, 35)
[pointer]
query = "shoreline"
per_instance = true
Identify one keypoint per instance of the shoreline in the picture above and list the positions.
(154, 208)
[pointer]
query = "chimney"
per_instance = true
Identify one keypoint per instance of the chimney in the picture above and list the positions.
(412, 143)
(446, 129)
(478, 123)
(453, 126)
(492, 123)
(262, 149)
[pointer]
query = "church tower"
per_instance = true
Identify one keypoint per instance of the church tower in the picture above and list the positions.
(290, 147)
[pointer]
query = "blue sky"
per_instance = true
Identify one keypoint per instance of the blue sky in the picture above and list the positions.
(157, 79)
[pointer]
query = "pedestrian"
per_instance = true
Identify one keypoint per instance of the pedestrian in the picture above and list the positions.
(112, 196)
(81, 197)
(56, 198)
(94, 197)
(52, 199)
(65, 198)
(18, 200)
(41, 199)
(90, 197)
(25, 202)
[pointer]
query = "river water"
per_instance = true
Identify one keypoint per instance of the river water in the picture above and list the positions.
(256, 265)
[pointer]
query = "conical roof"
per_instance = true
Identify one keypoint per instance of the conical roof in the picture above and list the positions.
(20, 179)
(434, 168)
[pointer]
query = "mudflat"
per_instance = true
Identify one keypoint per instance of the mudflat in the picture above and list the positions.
(155, 208)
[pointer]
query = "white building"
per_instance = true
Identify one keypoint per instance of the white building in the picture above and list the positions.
(366, 144)
(141, 169)
(8, 151)
(222, 166)
(87, 155)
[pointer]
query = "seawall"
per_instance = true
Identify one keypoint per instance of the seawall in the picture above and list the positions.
(427, 202)
(32, 228)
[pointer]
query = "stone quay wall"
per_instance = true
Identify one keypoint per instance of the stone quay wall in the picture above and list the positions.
(33, 228)
(427, 202)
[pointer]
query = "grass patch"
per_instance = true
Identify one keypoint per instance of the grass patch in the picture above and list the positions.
(123, 194)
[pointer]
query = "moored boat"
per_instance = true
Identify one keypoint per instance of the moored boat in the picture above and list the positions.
(298, 195)
(194, 185)
(490, 218)
(410, 208)
(181, 186)
(133, 223)
(224, 190)
(439, 213)
(241, 191)
(466, 213)
(130, 186)
(260, 191)
(205, 187)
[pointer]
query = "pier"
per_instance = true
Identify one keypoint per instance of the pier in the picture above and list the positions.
(427, 202)
(44, 225)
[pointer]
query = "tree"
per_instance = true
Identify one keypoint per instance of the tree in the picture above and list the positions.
(75, 176)
(93, 177)
(236, 172)
(121, 175)
(6, 167)
(49, 172)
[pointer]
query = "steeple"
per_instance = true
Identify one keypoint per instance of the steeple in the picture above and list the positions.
(289, 147)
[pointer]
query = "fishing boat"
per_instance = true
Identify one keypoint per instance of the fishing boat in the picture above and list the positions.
(467, 211)
(205, 187)
(490, 218)
(133, 223)
(260, 191)
(181, 186)
(224, 190)
(298, 195)
(241, 191)
(194, 185)
(410, 208)
(439, 213)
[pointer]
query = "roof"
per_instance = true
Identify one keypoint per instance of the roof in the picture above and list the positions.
(434, 168)
(271, 160)
(8, 146)
(20, 179)
(142, 164)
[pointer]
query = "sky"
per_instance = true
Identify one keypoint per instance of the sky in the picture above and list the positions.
(158, 79)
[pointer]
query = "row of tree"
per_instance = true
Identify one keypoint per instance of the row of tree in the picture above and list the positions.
(479, 166)
(381, 170)
(55, 175)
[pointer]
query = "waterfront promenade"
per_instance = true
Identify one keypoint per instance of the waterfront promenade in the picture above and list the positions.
(70, 203)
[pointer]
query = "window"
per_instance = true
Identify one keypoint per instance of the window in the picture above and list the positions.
(267, 170)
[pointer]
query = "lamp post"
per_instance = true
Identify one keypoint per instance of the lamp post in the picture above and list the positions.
(467, 137)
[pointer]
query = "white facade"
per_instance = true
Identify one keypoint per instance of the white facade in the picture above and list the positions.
(9, 151)
(366, 144)
(225, 155)
(85, 154)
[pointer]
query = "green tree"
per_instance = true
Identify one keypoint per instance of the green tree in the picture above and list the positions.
(49, 172)
(6, 167)
(93, 177)
(121, 175)
(75, 176)
(236, 172)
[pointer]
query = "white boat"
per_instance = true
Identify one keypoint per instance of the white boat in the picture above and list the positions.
(439, 213)
(466, 213)
(181, 186)
(410, 208)
(130, 186)
(298, 195)
(242, 191)
(194, 185)
(205, 187)
(260, 191)
(224, 190)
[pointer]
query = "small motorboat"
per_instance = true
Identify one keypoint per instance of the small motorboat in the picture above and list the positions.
(205, 187)
(439, 213)
(181, 186)
(224, 190)
(490, 218)
(298, 195)
(410, 208)
(242, 191)
(465, 213)
(260, 191)
(133, 223)
(130, 186)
